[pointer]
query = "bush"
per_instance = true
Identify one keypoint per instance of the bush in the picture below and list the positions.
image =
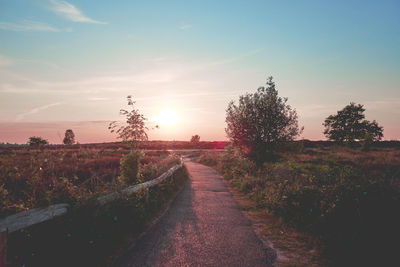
(130, 167)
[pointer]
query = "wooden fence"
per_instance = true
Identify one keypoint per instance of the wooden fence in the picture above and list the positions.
(31, 217)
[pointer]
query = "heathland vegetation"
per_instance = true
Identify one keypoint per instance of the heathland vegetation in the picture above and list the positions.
(39, 177)
(344, 196)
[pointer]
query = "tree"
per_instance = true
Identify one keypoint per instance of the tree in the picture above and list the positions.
(37, 141)
(134, 129)
(349, 125)
(195, 139)
(69, 138)
(260, 121)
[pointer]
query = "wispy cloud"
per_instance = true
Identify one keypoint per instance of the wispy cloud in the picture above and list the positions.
(185, 27)
(35, 110)
(27, 25)
(72, 13)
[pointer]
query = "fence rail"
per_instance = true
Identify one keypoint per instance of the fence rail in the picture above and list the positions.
(31, 217)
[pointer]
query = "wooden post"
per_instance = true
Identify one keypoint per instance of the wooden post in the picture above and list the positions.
(3, 249)
(147, 196)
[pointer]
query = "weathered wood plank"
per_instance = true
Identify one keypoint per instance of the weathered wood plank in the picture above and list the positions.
(132, 189)
(34, 216)
(27, 218)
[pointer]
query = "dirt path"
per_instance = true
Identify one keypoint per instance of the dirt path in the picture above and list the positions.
(203, 227)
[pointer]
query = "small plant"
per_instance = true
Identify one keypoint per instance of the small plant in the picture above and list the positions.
(129, 167)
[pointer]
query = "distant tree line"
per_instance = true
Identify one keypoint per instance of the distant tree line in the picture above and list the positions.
(37, 141)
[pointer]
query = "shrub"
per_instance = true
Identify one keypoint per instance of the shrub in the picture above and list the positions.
(130, 167)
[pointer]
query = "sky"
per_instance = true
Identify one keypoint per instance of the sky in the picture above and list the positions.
(71, 64)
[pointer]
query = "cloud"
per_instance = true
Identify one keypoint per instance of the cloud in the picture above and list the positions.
(185, 27)
(72, 13)
(27, 25)
(35, 110)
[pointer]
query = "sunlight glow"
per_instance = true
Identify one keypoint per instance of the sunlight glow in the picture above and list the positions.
(167, 117)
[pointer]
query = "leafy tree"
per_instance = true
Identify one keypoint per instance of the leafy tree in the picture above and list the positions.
(37, 141)
(195, 139)
(260, 121)
(134, 129)
(69, 138)
(349, 125)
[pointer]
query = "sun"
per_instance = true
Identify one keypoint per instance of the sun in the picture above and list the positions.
(167, 117)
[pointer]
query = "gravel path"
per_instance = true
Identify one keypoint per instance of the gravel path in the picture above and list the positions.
(202, 227)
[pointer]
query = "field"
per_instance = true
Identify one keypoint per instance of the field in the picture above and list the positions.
(347, 199)
(89, 234)
(56, 174)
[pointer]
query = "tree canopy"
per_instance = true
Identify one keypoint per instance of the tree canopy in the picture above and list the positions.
(349, 125)
(134, 129)
(260, 120)
(37, 141)
(195, 139)
(69, 138)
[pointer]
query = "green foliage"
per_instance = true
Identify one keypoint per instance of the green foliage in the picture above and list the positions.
(260, 121)
(349, 125)
(31, 178)
(69, 138)
(342, 199)
(129, 167)
(37, 141)
(134, 129)
(209, 159)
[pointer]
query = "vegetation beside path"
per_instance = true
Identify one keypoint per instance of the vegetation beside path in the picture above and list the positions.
(91, 234)
(345, 199)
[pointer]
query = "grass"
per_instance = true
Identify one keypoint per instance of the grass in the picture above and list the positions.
(32, 178)
(343, 199)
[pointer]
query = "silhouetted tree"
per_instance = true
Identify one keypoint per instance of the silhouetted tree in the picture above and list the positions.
(259, 121)
(134, 129)
(349, 125)
(69, 138)
(195, 139)
(37, 141)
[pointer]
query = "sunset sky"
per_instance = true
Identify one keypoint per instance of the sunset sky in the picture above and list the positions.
(71, 64)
